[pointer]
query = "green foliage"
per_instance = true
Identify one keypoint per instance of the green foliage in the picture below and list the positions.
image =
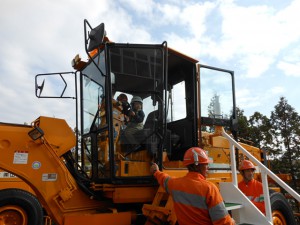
(278, 135)
(255, 130)
(286, 138)
(243, 125)
(259, 131)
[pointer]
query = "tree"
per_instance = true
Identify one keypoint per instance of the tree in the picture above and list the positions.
(255, 130)
(243, 125)
(259, 126)
(285, 131)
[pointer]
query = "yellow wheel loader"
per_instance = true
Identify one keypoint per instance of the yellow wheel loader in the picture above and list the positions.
(91, 173)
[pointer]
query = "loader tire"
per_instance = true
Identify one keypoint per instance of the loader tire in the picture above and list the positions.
(18, 207)
(282, 212)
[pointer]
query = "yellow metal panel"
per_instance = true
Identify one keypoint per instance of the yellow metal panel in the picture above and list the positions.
(122, 218)
(58, 133)
(131, 168)
(134, 194)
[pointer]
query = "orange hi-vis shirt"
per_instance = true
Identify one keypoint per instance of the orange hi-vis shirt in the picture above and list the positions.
(254, 192)
(196, 201)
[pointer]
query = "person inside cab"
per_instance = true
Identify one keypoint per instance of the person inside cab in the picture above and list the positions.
(135, 124)
(123, 101)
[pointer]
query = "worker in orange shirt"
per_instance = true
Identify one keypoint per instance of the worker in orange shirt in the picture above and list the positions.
(196, 201)
(252, 188)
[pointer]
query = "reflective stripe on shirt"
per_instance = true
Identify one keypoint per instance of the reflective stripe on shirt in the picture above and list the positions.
(218, 212)
(250, 198)
(259, 199)
(166, 185)
(189, 199)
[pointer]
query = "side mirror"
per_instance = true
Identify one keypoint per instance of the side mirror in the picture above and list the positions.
(95, 37)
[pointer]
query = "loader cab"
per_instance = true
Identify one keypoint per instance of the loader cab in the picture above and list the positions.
(168, 84)
(175, 93)
(161, 77)
(131, 70)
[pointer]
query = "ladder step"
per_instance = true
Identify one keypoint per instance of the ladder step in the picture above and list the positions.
(231, 206)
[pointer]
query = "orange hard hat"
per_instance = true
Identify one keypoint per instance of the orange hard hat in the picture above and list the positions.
(246, 164)
(195, 155)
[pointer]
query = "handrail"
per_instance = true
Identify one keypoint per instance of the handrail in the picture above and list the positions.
(264, 173)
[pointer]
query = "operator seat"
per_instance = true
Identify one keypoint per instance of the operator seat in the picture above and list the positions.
(149, 138)
(151, 120)
(146, 138)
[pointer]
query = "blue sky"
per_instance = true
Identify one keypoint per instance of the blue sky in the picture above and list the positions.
(259, 40)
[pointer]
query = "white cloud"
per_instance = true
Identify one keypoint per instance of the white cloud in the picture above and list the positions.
(140, 7)
(277, 90)
(256, 65)
(169, 13)
(290, 63)
(43, 36)
(247, 99)
(251, 100)
(258, 29)
(191, 20)
(255, 34)
(194, 17)
(290, 69)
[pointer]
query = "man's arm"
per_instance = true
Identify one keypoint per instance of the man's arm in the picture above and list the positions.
(161, 177)
(216, 207)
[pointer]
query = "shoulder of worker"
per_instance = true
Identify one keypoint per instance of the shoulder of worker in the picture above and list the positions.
(198, 177)
(159, 173)
(257, 184)
(161, 176)
(254, 182)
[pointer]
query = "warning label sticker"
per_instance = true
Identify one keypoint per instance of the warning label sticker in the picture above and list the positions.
(49, 177)
(20, 157)
(6, 175)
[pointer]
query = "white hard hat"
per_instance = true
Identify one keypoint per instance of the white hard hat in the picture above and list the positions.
(136, 99)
